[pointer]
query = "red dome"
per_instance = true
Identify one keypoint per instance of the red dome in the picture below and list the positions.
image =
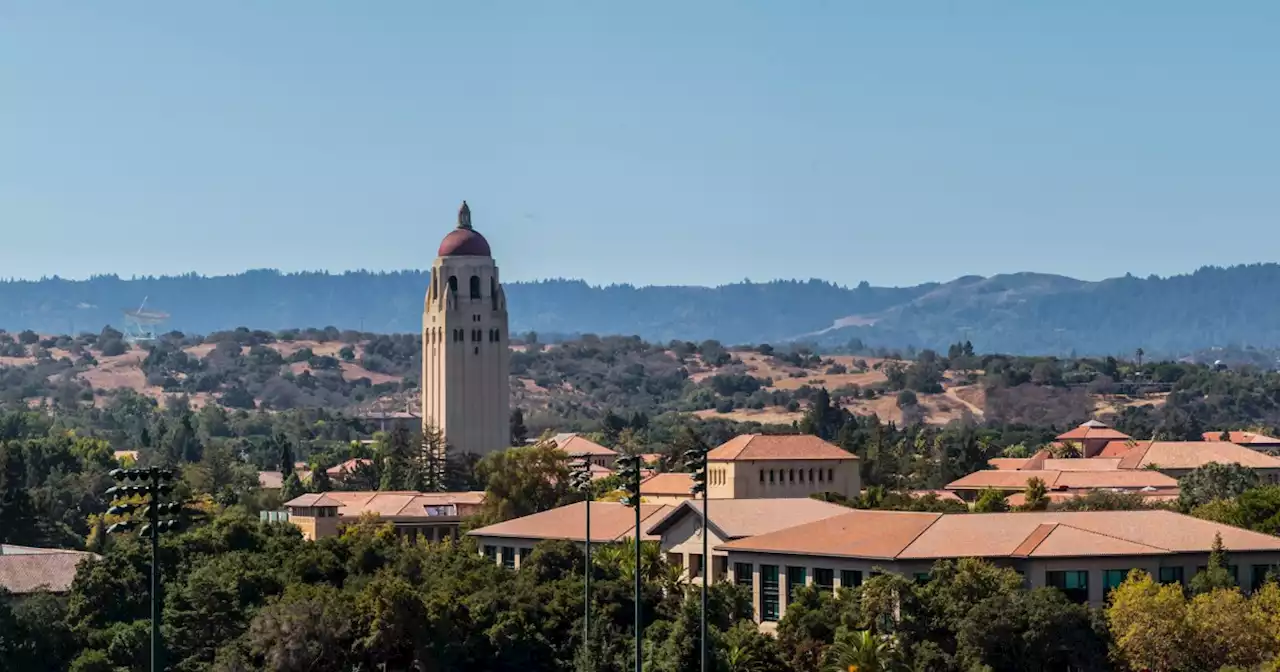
(464, 243)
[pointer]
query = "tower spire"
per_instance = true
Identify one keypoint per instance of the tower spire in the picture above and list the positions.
(464, 216)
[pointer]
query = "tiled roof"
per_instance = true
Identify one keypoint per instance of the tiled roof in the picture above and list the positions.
(28, 570)
(1082, 464)
(610, 521)
(905, 535)
(270, 480)
(391, 504)
(312, 500)
(1193, 454)
(1149, 495)
(940, 494)
(736, 518)
(1117, 448)
(1245, 439)
(1092, 430)
(669, 483)
(578, 446)
(777, 447)
(348, 466)
(1078, 480)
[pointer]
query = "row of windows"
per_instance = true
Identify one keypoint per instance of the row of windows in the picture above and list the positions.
(475, 288)
(771, 591)
(789, 475)
(509, 555)
(718, 477)
(459, 335)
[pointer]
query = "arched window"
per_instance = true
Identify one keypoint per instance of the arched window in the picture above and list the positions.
(475, 286)
(819, 475)
(493, 292)
(792, 477)
(435, 287)
(770, 475)
(811, 475)
(453, 284)
(497, 335)
(831, 475)
(802, 475)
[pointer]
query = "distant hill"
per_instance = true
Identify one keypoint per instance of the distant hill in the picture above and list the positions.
(1015, 313)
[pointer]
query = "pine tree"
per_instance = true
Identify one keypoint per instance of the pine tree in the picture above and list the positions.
(1036, 497)
(285, 451)
(320, 479)
(292, 487)
(1215, 574)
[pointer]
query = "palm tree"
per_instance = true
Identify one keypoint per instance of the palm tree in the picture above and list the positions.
(863, 651)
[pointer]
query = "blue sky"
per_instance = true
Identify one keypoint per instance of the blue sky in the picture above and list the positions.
(648, 142)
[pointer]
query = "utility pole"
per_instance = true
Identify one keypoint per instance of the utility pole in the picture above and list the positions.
(696, 460)
(582, 481)
(154, 483)
(629, 472)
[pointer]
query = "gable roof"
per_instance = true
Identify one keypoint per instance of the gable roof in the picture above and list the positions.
(578, 446)
(270, 480)
(668, 483)
(1092, 431)
(312, 500)
(610, 521)
(25, 569)
(1057, 479)
(777, 447)
(923, 536)
(736, 518)
(1245, 439)
(1193, 454)
(393, 504)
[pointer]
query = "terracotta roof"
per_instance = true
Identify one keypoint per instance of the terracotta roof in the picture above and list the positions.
(1117, 448)
(669, 483)
(1092, 430)
(610, 521)
(348, 466)
(270, 480)
(1082, 464)
(777, 447)
(736, 518)
(29, 570)
(940, 494)
(903, 535)
(1075, 480)
(402, 504)
(1244, 438)
(1149, 495)
(312, 500)
(578, 446)
(1193, 454)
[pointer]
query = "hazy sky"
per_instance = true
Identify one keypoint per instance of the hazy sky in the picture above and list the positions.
(645, 142)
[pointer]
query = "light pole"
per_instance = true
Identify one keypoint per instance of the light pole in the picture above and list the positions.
(581, 480)
(629, 472)
(696, 460)
(154, 483)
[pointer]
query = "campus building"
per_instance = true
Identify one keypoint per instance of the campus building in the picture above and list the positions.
(430, 515)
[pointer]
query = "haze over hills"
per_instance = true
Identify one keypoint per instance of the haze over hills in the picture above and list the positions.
(1015, 313)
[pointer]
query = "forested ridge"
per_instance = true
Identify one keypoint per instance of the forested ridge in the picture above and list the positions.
(1017, 313)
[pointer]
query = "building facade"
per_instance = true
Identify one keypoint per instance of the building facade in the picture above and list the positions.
(759, 466)
(465, 357)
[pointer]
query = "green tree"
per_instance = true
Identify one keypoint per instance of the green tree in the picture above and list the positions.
(1214, 481)
(1148, 624)
(1215, 574)
(864, 651)
(1036, 496)
(518, 431)
(1030, 631)
(521, 481)
(17, 512)
(293, 487)
(284, 452)
(990, 500)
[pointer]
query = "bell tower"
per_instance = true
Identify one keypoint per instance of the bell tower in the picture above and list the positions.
(466, 389)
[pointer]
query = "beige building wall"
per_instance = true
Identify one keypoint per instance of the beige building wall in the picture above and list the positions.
(465, 356)
(682, 544)
(748, 479)
(1034, 571)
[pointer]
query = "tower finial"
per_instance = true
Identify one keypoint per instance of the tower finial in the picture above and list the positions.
(464, 216)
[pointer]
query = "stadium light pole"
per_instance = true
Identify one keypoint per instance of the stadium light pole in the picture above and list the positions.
(581, 480)
(696, 460)
(154, 482)
(629, 472)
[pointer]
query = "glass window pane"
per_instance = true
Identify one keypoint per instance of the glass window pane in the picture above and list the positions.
(768, 592)
(850, 578)
(824, 579)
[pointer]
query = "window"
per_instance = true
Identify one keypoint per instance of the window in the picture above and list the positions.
(493, 292)
(802, 475)
(695, 565)
(1111, 579)
(820, 476)
(742, 574)
(1171, 575)
(1075, 585)
(824, 579)
(497, 335)
(453, 284)
(770, 475)
(811, 475)
(475, 286)
(793, 476)
(850, 578)
(508, 557)
(762, 475)
(795, 578)
(921, 577)
(831, 475)
(768, 592)
(1260, 573)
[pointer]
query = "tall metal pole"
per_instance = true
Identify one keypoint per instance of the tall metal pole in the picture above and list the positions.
(639, 627)
(586, 619)
(706, 571)
(153, 516)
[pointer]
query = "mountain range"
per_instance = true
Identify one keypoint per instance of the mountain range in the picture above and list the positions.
(1025, 313)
